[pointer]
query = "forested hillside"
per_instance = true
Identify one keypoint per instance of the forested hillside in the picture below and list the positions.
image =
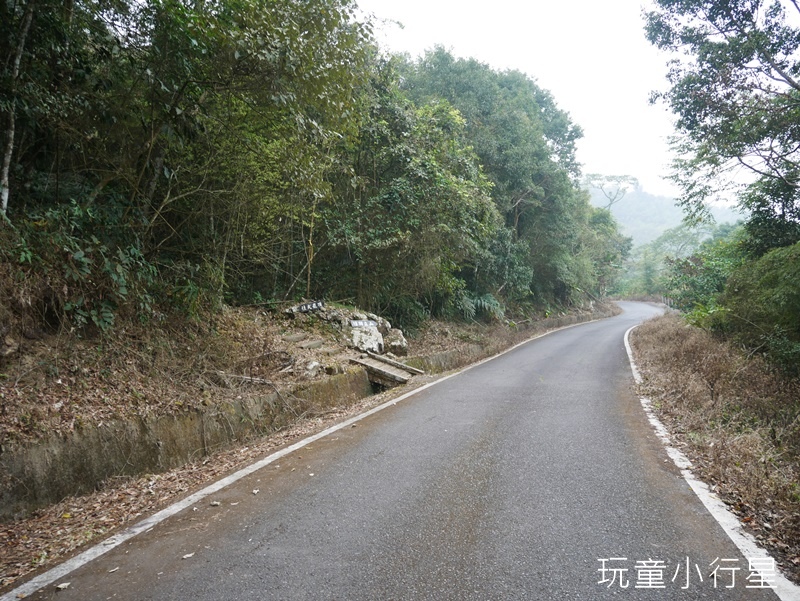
(735, 94)
(644, 216)
(168, 157)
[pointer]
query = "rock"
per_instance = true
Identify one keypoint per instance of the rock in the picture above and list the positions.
(312, 369)
(396, 343)
(333, 370)
(366, 339)
(311, 344)
(8, 346)
(383, 325)
(336, 317)
(295, 337)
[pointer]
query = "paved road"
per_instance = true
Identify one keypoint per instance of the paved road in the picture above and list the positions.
(510, 481)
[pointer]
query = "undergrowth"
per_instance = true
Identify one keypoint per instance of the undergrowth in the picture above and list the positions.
(738, 419)
(57, 382)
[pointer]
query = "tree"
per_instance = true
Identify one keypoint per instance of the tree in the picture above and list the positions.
(612, 187)
(170, 128)
(762, 304)
(736, 94)
(606, 248)
(19, 17)
(649, 268)
(411, 207)
(694, 282)
(526, 145)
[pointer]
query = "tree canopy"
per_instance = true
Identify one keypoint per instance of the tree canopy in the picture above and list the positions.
(735, 90)
(174, 155)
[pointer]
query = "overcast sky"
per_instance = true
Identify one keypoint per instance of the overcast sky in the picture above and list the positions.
(590, 54)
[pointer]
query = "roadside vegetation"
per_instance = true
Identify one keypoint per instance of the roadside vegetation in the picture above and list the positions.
(736, 419)
(725, 373)
(734, 93)
(167, 158)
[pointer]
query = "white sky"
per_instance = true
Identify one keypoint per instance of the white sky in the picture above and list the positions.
(590, 54)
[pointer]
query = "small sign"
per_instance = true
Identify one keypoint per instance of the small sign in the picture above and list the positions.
(363, 323)
(313, 306)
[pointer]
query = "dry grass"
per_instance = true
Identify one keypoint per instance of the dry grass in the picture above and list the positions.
(737, 420)
(59, 382)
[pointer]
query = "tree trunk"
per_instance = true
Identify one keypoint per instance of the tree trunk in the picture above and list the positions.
(12, 112)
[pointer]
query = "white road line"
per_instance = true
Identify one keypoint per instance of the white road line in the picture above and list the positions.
(61, 570)
(784, 588)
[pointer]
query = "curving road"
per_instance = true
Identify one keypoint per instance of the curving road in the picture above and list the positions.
(512, 480)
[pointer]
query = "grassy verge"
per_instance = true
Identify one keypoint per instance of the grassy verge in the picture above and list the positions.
(737, 420)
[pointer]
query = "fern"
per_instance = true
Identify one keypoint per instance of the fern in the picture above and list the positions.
(465, 305)
(489, 305)
(470, 306)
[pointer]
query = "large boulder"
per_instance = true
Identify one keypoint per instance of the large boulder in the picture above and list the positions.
(383, 325)
(366, 339)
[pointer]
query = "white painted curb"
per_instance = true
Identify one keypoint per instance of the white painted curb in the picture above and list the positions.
(784, 588)
(61, 570)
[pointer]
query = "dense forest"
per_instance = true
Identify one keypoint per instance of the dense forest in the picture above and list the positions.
(168, 157)
(164, 156)
(735, 92)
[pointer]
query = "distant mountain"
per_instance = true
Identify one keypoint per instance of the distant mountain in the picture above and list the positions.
(644, 216)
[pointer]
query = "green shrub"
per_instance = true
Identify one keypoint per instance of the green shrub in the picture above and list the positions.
(762, 299)
(91, 267)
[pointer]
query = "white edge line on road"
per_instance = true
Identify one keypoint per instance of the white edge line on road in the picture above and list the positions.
(61, 570)
(784, 588)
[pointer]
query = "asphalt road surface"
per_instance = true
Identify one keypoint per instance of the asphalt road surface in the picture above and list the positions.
(532, 476)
